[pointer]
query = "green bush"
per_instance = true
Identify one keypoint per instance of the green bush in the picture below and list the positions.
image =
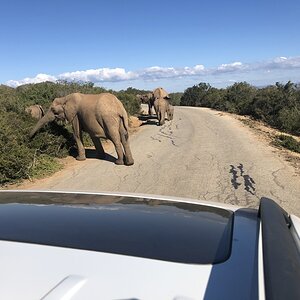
(130, 102)
(278, 105)
(289, 120)
(21, 157)
(288, 142)
(239, 97)
(18, 153)
(175, 98)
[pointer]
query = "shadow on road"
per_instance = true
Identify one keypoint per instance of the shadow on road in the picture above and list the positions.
(148, 120)
(247, 180)
(91, 153)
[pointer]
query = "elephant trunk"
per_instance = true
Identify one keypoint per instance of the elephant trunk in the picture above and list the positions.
(47, 118)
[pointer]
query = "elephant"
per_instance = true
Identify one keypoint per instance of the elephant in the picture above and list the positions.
(160, 93)
(170, 112)
(161, 106)
(151, 97)
(146, 99)
(36, 111)
(100, 115)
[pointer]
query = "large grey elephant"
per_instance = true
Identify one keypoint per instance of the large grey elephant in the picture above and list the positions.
(36, 111)
(150, 98)
(101, 115)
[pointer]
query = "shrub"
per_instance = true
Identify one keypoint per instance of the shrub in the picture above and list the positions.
(288, 142)
(278, 105)
(130, 102)
(21, 157)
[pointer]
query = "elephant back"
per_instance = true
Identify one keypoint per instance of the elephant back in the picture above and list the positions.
(160, 93)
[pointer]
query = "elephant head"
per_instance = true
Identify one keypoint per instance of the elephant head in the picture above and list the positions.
(36, 111)
(59, 110)
(145, 98)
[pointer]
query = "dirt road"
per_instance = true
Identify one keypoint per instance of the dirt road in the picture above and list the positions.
(201, 154)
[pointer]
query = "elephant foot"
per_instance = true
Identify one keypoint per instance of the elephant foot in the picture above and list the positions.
(80, 158)
(119, 162)
(129, 162)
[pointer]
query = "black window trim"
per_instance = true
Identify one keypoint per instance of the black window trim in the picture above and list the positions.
(281, 257)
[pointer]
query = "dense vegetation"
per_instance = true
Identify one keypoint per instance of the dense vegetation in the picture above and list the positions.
(21, 157)
(278, 105)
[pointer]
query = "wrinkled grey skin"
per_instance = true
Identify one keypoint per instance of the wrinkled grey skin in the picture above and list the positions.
(36, 111)
(170, 112)
(101, 115)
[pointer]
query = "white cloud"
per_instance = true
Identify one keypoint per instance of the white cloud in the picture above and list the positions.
(37, 79)
(283, 63)
(113, 75)
(230, 67)
(156, 72)
(99, 75)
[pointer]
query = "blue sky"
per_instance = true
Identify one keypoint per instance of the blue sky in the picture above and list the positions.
(175, 44)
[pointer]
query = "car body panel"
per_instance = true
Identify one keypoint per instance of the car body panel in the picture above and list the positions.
(32, 271)
(51, 248)
(47, 271)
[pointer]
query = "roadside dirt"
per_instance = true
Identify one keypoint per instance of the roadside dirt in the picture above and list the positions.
(268, 134)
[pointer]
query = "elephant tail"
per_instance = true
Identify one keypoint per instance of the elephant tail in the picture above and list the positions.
(124, 118)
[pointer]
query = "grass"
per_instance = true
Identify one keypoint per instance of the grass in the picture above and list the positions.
(45, 165)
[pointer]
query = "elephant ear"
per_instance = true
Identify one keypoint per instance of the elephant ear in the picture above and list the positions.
(70, 110)
(42, 110)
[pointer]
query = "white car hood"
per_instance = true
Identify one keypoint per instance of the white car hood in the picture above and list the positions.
(44, 272)
(30, 271)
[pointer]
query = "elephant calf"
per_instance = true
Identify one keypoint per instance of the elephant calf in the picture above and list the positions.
(101, 115)
(36, 111)
(161, 106)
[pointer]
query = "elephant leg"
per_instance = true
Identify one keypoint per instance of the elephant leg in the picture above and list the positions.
(163, 117)
(77, 133)
(159, 117)
(149, 109)
(114, 136)
(99, 148)
(125, 143)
